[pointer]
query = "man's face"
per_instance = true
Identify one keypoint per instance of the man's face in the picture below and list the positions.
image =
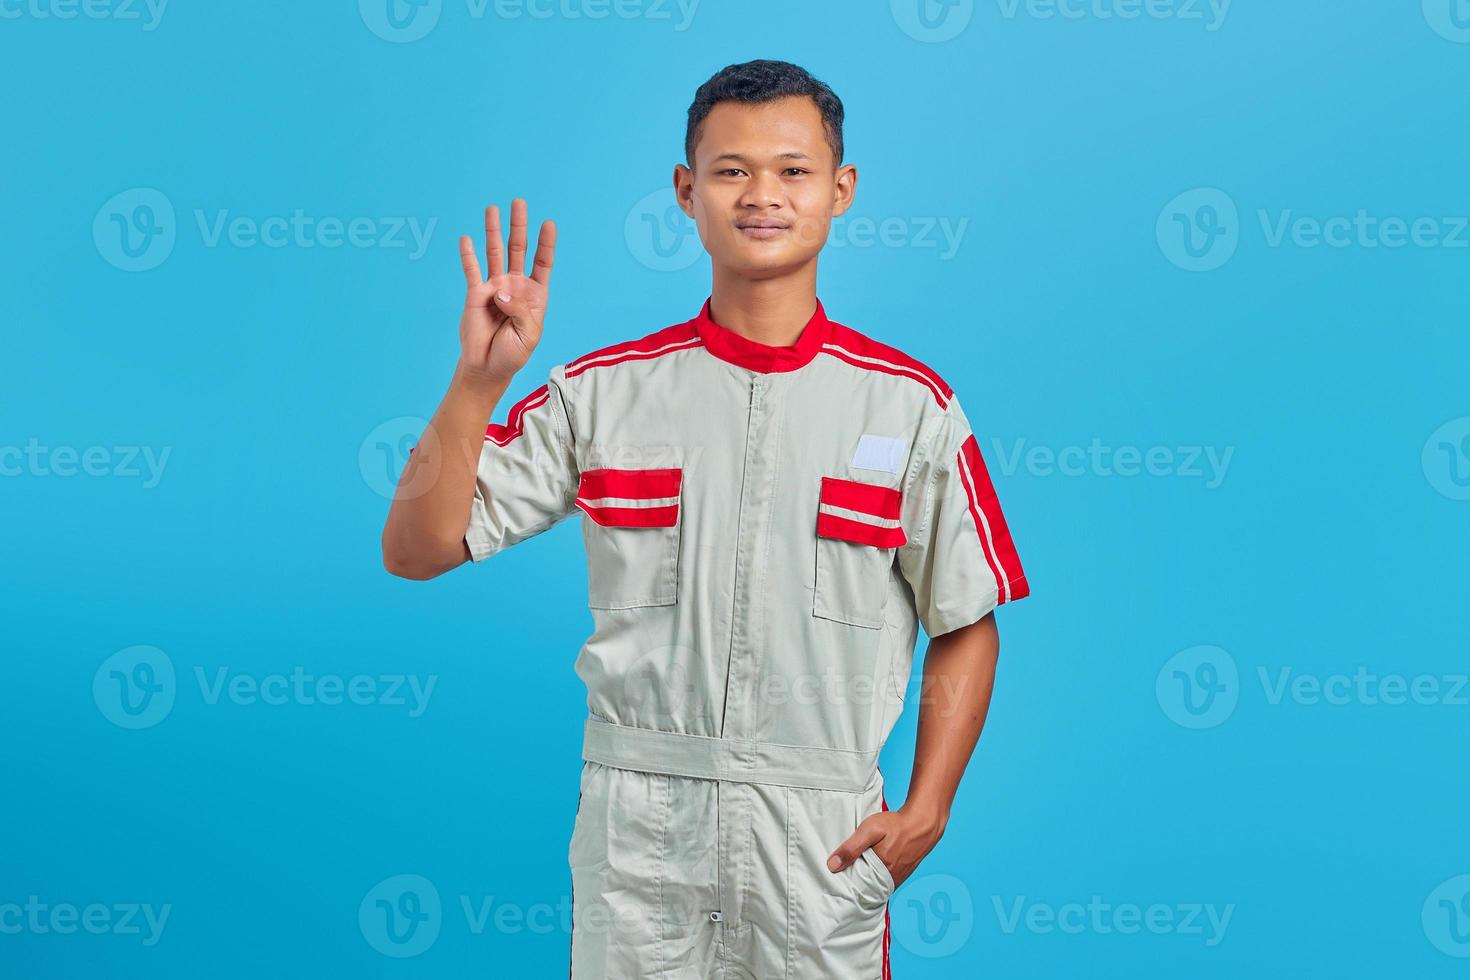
(763, 191)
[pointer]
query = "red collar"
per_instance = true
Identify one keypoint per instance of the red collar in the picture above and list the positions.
(728, 345)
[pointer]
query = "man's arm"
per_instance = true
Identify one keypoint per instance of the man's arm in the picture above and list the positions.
(498, 330)
(959, 675)
(424, 534)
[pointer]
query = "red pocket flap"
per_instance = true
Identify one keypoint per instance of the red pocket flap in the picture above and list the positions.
(631, 498)
(871, 513)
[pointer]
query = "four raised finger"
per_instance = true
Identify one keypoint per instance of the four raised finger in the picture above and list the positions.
(545, 252)
(494, 249)
(471, 265)
(517, 247)
(497, 253)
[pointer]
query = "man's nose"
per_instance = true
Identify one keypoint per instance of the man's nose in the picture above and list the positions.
(763, 191)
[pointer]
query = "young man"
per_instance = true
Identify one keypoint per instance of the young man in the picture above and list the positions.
(772, 503)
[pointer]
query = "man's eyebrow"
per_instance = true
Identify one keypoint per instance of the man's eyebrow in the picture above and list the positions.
(741, 158)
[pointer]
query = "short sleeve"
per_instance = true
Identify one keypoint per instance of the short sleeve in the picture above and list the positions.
(527, 477)
(959, 558)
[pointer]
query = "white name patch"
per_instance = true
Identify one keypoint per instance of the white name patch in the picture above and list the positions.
(883, 453)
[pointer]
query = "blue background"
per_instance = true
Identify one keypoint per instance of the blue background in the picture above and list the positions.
(278, 380)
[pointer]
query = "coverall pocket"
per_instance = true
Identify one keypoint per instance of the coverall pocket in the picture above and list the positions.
(631, 535)
(858, 533)
(875, 881)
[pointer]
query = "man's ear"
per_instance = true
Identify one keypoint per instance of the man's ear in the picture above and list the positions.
(684, 189)
(846, 183)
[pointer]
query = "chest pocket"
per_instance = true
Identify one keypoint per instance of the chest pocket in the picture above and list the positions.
(858, 533)
(632, 528)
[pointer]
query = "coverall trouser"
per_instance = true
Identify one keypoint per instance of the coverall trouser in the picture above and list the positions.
(716, 866)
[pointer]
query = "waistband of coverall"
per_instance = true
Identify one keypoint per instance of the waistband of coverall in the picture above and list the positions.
(732, 760)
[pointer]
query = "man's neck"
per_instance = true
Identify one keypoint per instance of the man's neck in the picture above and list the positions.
(768, 311)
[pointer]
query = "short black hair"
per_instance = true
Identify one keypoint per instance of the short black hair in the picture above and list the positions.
(760, 81)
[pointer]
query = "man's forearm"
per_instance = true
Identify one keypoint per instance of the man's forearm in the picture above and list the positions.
(959, 675)
(424, 534)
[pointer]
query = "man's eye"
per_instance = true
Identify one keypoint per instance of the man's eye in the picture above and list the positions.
(725, 173)
(795, 170)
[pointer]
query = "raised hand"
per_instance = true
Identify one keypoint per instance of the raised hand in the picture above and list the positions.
(503, 314)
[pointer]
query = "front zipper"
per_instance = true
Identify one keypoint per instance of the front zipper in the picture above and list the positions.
(754, 403)
(755, 400)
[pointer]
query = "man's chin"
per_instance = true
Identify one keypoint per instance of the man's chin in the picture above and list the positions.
(748, 259)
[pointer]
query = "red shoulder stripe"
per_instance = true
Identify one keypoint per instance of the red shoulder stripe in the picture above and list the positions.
(990, 524)
(848, 345)
(679, 337)
(515, 423)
